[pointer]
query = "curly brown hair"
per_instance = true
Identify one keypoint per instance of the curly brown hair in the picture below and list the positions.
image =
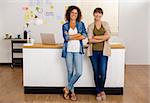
(68, 11)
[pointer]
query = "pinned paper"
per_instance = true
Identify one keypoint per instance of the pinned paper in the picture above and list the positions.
(49, 13)
(51, 7)
(26, 18)
(39, 9)
(62, 22)
(37, 21)
(28, 15)
(66, 7)
(25, 8)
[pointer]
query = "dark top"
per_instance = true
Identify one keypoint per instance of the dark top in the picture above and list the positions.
(98, 32)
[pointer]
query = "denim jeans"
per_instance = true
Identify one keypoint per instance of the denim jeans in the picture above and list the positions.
(74, 68)
(99, 64)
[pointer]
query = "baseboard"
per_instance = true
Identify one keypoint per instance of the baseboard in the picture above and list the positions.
(10, 64)
(137, 64)
(5, 63)
(78, 90)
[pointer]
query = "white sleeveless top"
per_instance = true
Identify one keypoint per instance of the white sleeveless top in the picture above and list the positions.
(73, 45)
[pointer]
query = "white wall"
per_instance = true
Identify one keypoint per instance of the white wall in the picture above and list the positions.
(133, 30)
(106, 5)
(11, 21)
(148, 28)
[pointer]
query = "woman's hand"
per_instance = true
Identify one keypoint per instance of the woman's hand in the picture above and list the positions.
(102, 37)
(91, 41)
(77, 37)
(66, 33)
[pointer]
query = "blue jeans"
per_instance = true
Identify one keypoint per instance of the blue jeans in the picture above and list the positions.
(99, 64)
(74, 68)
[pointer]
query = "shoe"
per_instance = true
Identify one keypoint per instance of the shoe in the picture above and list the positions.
(98, 97)
(66, 93)
(73, 97)
(103, 95)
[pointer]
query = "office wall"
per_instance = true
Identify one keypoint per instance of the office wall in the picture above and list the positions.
(110, 8)
(133, 19)
(12, 21)
(148, 28)
(133, 30)
(9, 23)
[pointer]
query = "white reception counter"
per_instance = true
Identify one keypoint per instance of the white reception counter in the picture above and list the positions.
(44, 70)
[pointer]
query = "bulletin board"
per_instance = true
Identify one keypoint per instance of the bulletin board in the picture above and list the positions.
(50, 14)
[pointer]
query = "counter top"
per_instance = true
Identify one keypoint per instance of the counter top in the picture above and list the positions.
(58, 46)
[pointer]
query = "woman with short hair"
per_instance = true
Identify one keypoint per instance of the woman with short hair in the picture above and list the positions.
(99, 50)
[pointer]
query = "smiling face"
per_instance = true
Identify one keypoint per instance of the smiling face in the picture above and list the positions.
(97, 16)
(74, 14)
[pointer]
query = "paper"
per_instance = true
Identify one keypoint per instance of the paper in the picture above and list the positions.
(39, 9)
(49, 13)
(29, 15)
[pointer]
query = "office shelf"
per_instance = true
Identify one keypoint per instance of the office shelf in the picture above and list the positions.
(16, 60)
(17, 50)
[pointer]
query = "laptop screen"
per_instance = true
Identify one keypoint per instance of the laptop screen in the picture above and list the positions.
(47, 38)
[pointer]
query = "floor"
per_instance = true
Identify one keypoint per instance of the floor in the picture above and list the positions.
(136, 88)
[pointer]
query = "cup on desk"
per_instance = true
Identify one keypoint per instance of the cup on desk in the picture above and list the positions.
(32, 41)
(18, 36)
(6, 36)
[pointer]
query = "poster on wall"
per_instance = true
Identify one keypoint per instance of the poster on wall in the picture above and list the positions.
(49, 11)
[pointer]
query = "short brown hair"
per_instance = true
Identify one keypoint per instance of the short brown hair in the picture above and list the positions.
(70, 8)
(99, 10)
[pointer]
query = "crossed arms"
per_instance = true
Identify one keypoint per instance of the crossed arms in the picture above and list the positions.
(97, 39)
(76, 36)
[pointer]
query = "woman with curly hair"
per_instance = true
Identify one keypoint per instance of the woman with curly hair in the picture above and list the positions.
(73, 33)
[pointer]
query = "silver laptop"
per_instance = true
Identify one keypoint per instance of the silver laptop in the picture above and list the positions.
(47, 38)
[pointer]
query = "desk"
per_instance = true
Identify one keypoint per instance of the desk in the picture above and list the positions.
(44, 70)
